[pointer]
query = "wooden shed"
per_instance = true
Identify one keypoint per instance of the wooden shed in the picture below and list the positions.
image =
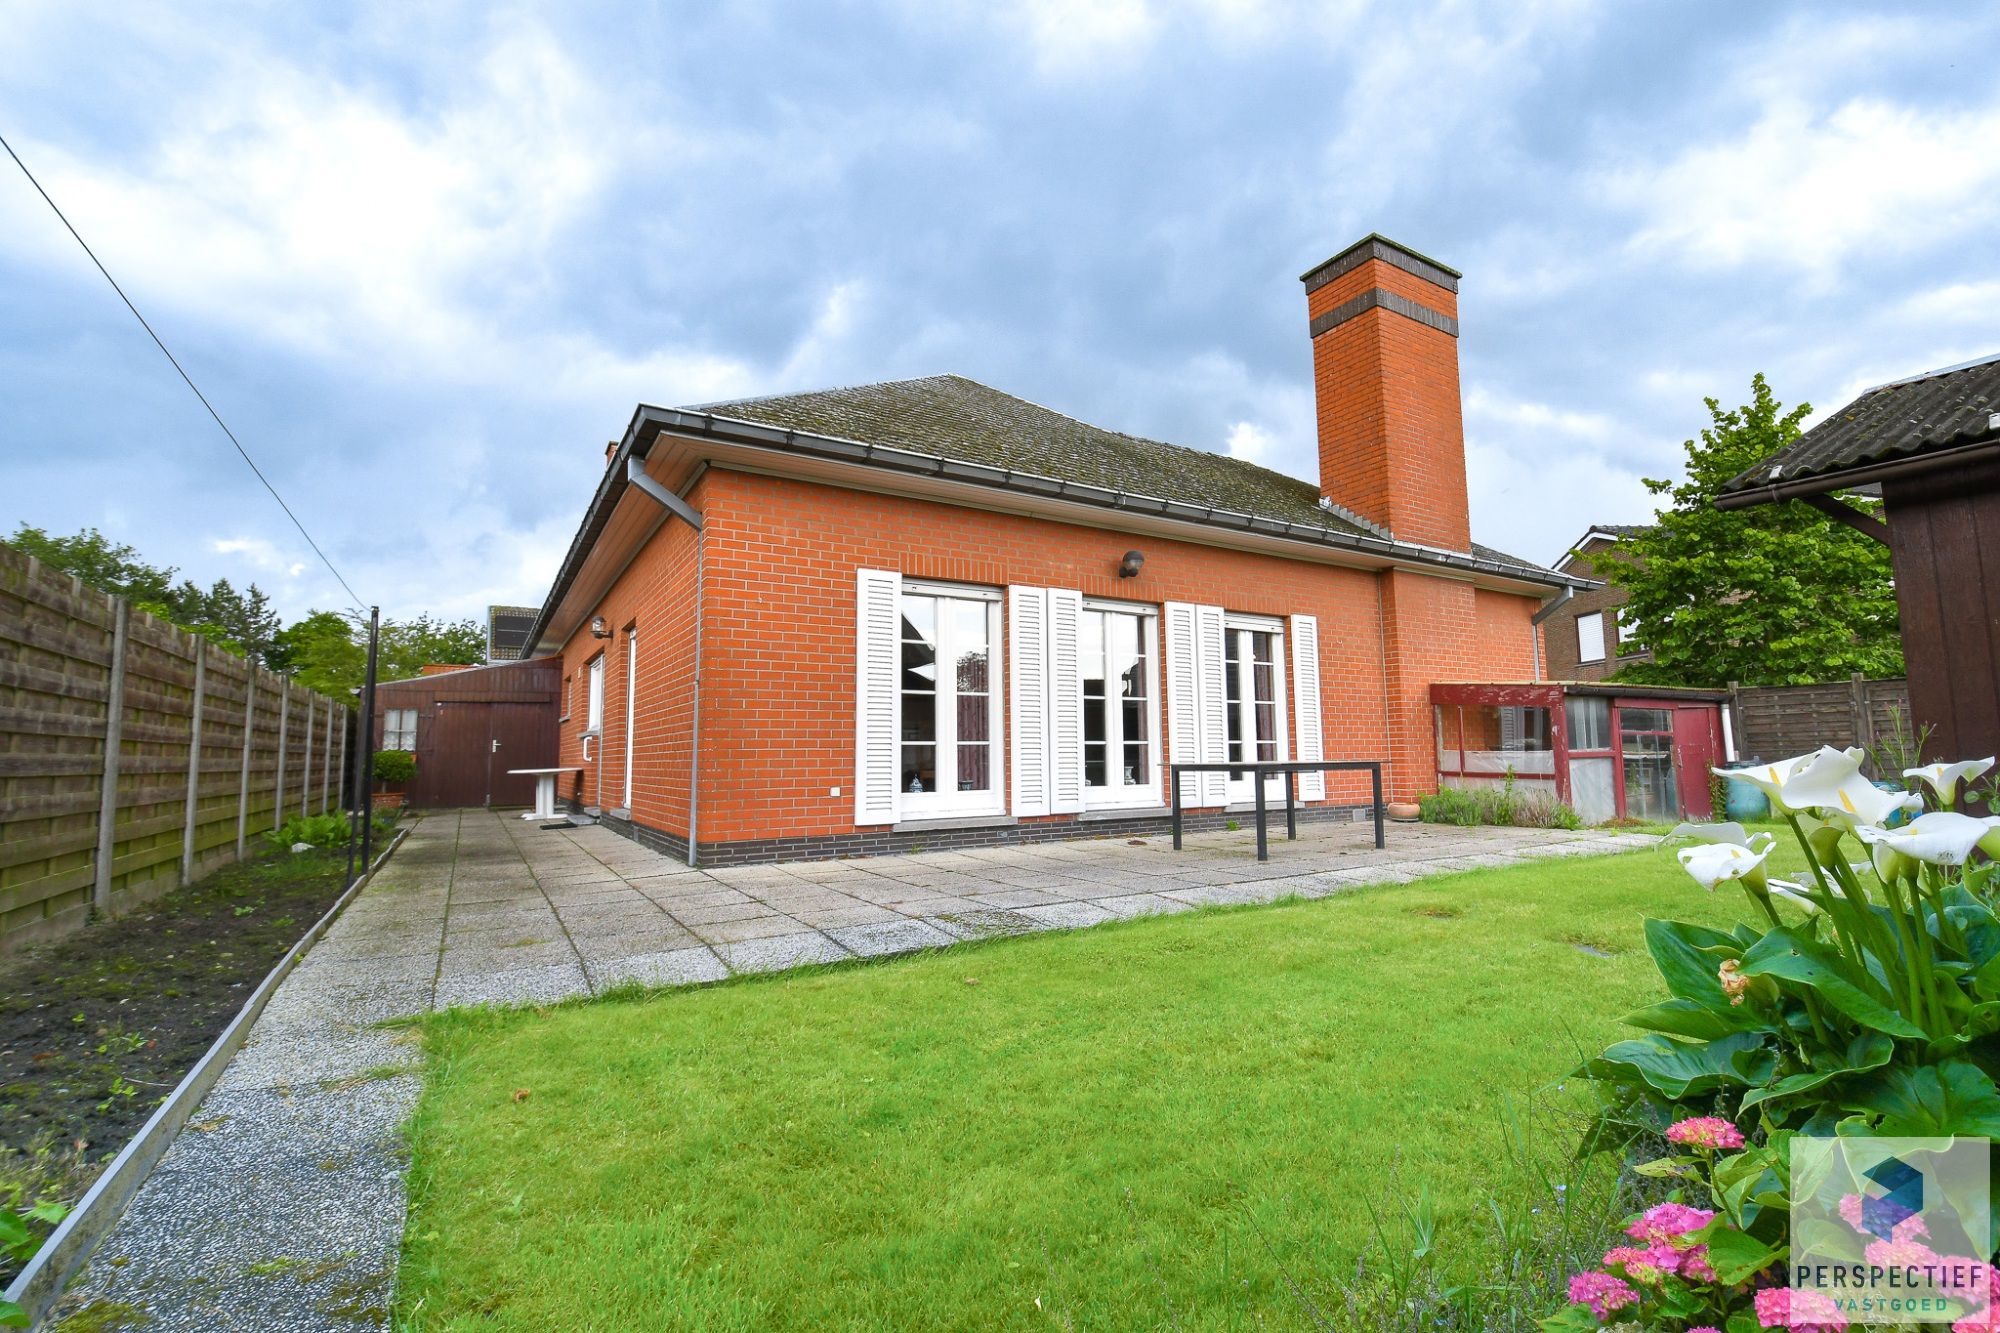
(468, 728)
(1932, 444)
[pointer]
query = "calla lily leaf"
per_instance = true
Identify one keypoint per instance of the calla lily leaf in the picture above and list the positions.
(1950, 1100)
(1791, 955)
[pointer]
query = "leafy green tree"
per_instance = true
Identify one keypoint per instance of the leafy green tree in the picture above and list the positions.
(328, 650)
(1770, 595)
(242, 622)
(108, 566)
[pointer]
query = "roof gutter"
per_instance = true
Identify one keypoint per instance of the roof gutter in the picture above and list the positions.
(651, 421)
(1819, 483)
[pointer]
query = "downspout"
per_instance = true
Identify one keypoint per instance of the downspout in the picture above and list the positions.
(636, 474)
(1555, 604)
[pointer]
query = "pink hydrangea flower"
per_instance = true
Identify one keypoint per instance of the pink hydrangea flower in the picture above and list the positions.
(1902, 1254)
(1799, 1311)
(1647, 1267)
(1695, 1264)
(1666, 1223)
(1602, 1292)
(1705, 1131)
(1979, 1321)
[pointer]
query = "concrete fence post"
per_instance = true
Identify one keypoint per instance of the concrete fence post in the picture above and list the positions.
(114, 740)
(306, 764)
(249, 739)
(192, 809)
(284, 725)
(326, 761)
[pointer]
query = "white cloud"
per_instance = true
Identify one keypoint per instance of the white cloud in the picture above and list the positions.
(1807, 188)
(1249, 442)
(1484, 406)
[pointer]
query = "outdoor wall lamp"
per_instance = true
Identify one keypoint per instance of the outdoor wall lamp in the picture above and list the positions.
(1128, 568)
(598, 629)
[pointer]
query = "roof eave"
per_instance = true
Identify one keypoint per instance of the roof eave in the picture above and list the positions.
(1736, 495)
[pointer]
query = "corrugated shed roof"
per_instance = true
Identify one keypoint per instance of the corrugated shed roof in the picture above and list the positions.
(1922, 414)
(950, 416)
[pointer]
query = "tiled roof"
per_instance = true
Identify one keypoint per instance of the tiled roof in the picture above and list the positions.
(1923, 414)
(949, 416)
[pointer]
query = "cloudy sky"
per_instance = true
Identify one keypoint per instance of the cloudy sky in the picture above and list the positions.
(426, 258)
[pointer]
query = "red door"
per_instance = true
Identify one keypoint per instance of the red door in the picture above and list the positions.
(1697, 747)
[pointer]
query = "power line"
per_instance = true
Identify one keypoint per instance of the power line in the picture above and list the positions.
(175, 362)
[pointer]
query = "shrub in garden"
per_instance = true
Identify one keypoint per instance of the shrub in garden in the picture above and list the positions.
(1504, 805)
(395, 766)
(1866, 1002)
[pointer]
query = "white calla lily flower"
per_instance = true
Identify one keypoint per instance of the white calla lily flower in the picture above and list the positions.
(1732, 833)
(1831, 782)
(1769, 778)
(1711, 863)
(1945, 778)
(1941, 838)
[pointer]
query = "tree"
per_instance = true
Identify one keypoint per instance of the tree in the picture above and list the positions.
(328, 650)
(241, 622)
(1771, 595)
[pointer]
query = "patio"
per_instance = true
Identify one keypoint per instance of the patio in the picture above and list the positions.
(282, 1204)
(527, 914)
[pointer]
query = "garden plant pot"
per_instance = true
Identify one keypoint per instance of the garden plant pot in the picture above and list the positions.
(1404, 812)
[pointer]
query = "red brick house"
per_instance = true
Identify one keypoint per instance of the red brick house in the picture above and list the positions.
(929, 613)
(1585, 635)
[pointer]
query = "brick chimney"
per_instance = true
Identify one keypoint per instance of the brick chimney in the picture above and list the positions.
(1385, 378)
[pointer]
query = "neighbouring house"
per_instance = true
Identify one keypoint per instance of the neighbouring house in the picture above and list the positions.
(507, 629)
(1584, 636)
(929, 613)
(1932, 443)
(468, 726)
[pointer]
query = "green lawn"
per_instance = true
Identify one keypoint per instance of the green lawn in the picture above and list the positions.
(1160, 1123)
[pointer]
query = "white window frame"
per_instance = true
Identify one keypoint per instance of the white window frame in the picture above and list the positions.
(399, 729)
(568, 696)
(952, 803)
(1119, 795)
(1240, 789)
(1586, 638)
(593, 720)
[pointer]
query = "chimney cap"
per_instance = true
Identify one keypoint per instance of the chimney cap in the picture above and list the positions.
(1377, 246)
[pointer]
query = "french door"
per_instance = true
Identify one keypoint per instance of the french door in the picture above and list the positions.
(1253, 673)
(1117, 660)
(949, 702)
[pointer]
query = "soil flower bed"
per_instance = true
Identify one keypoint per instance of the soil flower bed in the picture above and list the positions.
(97, 1029)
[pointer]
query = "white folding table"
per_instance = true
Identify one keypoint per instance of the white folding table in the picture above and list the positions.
(545, 789)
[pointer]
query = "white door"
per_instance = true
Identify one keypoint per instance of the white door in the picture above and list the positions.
(950, 704)
(1253, 668)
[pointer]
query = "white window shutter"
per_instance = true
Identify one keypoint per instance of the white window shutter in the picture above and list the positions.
(876, 698)
(1065, 702)
(1214, 701)
(1183, 698)
(1308, 735)
(1028, 667)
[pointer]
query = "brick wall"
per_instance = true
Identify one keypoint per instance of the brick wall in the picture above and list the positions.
(778, 628)
(1391, 430)
(1559, 652)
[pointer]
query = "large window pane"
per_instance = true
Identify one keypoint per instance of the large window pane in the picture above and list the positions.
(919, 768)
(1589, 723)
(919, 716)
(1649, 772)
(919, 666)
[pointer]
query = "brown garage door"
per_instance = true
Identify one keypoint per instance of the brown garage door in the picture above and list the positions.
(464, 755)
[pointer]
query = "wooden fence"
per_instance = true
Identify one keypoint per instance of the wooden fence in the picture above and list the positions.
(124, 764)
(1777, 721)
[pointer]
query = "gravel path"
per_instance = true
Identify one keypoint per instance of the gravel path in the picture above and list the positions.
(281, 1205)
